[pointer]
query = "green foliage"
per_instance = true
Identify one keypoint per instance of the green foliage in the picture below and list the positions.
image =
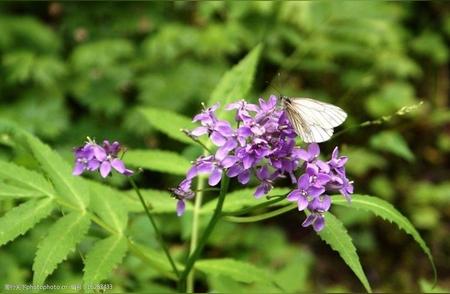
(137, 73)
(158, 160)
(20, 219)
(392, 142)
(71, 189)
(61, 240)
(168, 122)
(237, 81)
(105, 255)
(237, 270)
(335, 235)
(386, 211)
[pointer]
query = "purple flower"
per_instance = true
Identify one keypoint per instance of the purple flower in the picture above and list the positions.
(263, 143)
(266, 181)
(92, 157)
(182, 192)
(305, 192)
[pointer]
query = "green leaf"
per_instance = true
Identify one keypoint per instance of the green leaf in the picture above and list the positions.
(236, 82)
(392, 142)
(69, 188)
(103, 257)
(108, 203)
(386, 211)
(155, 258)
(20, 219)
(9, 191)
(237, 270)
(241, 199)
(168, 122)
(335, 235)
(62, 238)
(158, 160)
(25, 178)
(158, 201)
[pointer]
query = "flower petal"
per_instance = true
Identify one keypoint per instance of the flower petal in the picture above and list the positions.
(319, 223)
(105, 168)
(215, 177)
(244, 177)
(302, 203)
(294, 195)
(303, 182)
(99, 153)
(78, 169)
(310, 219)
(217, 138)
(181, 206)
(118, 165)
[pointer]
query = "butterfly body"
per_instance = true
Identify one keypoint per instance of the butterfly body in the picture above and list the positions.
(311, 119)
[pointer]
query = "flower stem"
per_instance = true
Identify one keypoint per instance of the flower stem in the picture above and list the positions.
(195, 227)
(155, 227)
(212, 223)
(259, 217)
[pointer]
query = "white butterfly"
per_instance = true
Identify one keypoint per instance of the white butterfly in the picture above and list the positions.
(313, 120)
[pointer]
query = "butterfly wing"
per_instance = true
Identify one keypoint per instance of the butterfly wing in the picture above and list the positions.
(314, 120)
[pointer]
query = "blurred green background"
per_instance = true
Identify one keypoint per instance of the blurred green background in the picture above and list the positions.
(70, 70)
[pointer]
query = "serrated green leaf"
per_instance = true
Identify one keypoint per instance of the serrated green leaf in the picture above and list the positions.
(25, 178)
(69, 188)
(62, 239)
(20, 219)
(237, 270)
(335, 235)
(386, 211)
(392, 142)
(108, 203)
(168, 122)
(236, 82)
(240, 199)
(158, 201)
(9, 191)
(103, 257)
(158, 160)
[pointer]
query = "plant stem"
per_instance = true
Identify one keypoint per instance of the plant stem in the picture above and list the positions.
(212, 223)
(155, 227)
(260, 217)
(195, 227)
(258, 206)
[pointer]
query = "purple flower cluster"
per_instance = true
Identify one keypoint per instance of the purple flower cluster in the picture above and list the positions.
(263, 145)
(92, 157)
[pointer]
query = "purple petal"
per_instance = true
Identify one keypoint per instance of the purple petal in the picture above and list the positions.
(224, 128)
(302, 203)
(234, 170)
(314, 150)
(118, 165)
(215, 177)
(303, 154)
(218, 139)
(260, 191)
(78, 169)
(192, 173)
(105, 169)
(323, 166)
(310, 219)
(93, 164)
(294, 195)
(315, 191)
(244, 131)
(247, 162)
(199, 131)
(319, 224)
(99, 153)
(181, 206)
(335, 153)
(229, 161)
(244, 177)
(303, 182)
